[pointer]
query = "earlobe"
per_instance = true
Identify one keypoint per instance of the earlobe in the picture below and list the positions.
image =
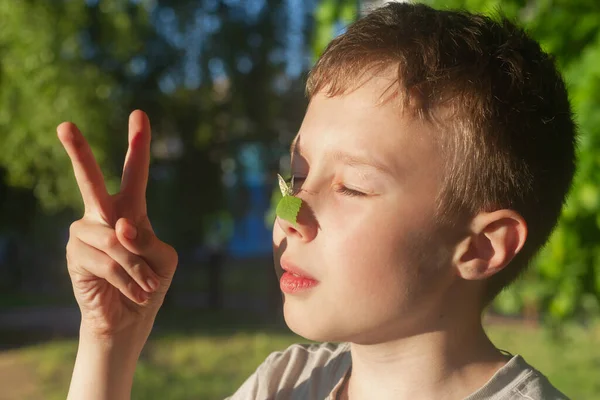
(494, 240)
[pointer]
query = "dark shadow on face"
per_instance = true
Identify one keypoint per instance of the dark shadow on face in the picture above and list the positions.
(276, 295)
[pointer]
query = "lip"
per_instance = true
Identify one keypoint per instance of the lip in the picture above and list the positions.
(293, 269)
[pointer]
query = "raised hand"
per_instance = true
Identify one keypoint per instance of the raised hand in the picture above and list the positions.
(119, 269)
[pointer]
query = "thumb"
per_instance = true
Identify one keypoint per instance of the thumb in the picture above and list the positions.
(161, 257)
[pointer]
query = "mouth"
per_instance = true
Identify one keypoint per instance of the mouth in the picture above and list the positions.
(294, 280)
(295, 270)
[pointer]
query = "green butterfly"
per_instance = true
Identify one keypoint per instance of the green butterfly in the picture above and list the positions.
(289, 205)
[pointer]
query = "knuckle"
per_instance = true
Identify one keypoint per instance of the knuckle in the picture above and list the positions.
(110, 240)
(74, 227)
(69, 258)
(113, 267)
(69, 254)
(132, 287)
(143, 240)
(135, 264)
(175, 255)
(166, 248)
(69, 247)
(141, 271)
(171, 252)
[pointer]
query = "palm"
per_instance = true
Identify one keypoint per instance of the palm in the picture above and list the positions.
(104, 306)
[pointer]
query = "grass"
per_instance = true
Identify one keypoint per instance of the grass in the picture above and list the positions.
(203, 367)
(572, 363)
(204, 357)
(197, 362)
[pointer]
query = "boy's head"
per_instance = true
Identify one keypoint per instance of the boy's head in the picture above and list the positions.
(470, 130)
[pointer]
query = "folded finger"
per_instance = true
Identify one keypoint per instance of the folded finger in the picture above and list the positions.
(97, 263)
(104, 239)
(142, 241)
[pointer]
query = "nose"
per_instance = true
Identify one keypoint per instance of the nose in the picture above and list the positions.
(306, 225)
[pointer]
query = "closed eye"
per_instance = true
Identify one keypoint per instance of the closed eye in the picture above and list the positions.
(339, 189)
(349, 192)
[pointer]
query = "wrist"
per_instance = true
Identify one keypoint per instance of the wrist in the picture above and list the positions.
(105, 364)
(127, 342)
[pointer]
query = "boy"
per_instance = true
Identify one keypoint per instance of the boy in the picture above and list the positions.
(429, 143)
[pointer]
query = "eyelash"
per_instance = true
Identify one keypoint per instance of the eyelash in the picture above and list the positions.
(349, 192)
(342, 189)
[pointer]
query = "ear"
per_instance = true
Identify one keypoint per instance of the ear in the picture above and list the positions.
(493, 241)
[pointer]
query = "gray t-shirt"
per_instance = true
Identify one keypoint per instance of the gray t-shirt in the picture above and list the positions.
(317, 371)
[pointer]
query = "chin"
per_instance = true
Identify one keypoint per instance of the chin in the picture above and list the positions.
(311, 326)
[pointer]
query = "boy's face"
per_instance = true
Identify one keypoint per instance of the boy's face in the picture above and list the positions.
(381, 262)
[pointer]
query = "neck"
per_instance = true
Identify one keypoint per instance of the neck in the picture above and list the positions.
(448, 362)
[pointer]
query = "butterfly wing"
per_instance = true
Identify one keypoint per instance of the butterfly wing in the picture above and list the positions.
(285, 190)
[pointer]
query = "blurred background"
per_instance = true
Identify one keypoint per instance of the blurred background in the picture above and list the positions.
(223, 84)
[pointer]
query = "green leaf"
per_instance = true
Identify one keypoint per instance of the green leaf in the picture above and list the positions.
(288, 208)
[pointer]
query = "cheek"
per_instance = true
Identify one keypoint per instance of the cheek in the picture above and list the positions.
(377, 244)
(364, 246)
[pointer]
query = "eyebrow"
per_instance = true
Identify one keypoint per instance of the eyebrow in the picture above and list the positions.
(346, 158)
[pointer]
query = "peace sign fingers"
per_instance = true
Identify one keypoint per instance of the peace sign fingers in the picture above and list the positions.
(137, 162)
(87, 172)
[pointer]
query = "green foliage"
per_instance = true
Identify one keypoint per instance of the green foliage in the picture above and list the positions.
(566, 361)
(329, 13)
(44, 81)
(94, 62)
(564, 280)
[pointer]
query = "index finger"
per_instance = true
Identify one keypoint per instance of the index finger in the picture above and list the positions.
(87, 172)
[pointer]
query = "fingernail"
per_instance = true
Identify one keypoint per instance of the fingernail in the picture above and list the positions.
(152, 283)
(130, 232)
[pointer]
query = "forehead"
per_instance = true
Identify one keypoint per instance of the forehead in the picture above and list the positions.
(363, 121)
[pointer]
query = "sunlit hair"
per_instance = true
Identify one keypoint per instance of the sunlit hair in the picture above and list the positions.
(499, 106)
